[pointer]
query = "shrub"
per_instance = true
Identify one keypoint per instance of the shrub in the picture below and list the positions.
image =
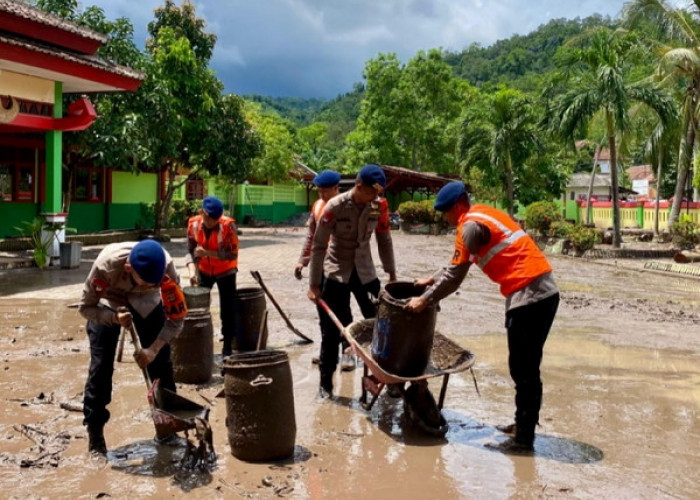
(418, 212)
(583, 238)
(684, 232)
(540, 215)
(181, 211)
(560, 229)
(41, 236)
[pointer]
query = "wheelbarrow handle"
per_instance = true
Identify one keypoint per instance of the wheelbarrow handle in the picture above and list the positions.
(331, 314)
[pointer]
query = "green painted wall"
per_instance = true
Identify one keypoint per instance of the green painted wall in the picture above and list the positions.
(129, 193)
(13, 214)
(128, 216)
(86, 217)
(273, 204)
(130, 188)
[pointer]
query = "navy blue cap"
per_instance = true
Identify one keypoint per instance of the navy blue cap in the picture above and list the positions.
(448, 195)
(148, 260)
(327, 178)
(213, 207)
(372, 175)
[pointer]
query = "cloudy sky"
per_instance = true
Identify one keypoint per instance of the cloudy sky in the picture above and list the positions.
(318, 48)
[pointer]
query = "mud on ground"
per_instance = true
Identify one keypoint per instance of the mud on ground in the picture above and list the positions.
(620, 414)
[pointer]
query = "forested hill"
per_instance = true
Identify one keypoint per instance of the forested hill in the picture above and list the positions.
(518, 61)
(300, 111)
(520, 57)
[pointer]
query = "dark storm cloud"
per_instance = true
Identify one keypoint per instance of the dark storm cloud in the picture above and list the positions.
(318, 48)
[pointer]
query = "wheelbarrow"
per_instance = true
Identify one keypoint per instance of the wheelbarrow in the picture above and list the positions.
(173, 413)
(446, 357)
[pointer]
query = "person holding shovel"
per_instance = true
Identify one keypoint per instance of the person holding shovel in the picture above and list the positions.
(493, 241)
(341, 248)
(123, 288)
(212, 258)
(326, 184)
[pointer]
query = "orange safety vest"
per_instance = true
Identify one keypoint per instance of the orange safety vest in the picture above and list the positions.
(511, 258)
(225, 236)
(173, 299)
(317, 209)
(383, 225)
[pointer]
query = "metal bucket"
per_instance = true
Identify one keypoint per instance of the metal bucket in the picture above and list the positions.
(197, 297)
(402, 340)
(259, 405)
(249, 306)
(192, 352)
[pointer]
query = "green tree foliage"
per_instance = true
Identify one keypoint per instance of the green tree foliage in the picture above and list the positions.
(408, 113)
(540, 215)
(184, 22)
(278, 153)
(498, 136)
(675, 35)
(299, 111)
(596, 70)
(518, 60)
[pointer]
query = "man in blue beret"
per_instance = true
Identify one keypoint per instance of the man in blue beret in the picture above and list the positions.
(212, 259)
(326, 184)
(492, 240)
(124, 286)
(341, 249)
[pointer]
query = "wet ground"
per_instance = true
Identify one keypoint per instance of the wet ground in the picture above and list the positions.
(620, 419)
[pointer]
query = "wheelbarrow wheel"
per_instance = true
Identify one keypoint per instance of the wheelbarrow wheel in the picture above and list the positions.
(422, 410)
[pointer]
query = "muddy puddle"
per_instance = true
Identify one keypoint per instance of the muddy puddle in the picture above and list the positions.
(620, 419)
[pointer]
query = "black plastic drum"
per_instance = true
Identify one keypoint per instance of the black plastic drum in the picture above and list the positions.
(259, 405)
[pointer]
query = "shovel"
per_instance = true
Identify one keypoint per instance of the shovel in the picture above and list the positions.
(170, 411)
(258, 278)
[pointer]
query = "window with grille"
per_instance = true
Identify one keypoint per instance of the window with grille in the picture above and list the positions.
(88, 185)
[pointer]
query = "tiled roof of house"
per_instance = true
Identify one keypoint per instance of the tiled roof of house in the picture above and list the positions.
(641, 172)
(9, 8)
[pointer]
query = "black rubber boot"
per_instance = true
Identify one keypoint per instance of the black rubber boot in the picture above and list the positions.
(522, 443)
(96, 441)
(325, 391)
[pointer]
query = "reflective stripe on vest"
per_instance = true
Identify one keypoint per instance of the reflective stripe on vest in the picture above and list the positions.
(212, 266)
(510, 237)
(511, 258)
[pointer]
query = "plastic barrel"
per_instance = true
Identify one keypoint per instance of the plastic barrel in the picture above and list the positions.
(249, 306)
(402, 340)
(192, 352)
(259, 405)
(197, 297)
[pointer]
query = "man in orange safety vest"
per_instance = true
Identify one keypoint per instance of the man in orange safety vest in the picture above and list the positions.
(492, 240)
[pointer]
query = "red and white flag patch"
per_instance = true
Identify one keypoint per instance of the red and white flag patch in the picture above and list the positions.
(327, 218)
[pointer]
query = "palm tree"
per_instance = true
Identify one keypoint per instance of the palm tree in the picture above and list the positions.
(498, 136)
(596, 76)
(677, 36)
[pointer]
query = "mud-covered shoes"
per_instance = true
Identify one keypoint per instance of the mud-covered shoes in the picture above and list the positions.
(325, 389)
(348, 362)
(96, 441)
(513, 446)
(507, 429)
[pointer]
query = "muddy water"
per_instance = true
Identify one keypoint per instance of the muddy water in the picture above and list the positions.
(619, 420)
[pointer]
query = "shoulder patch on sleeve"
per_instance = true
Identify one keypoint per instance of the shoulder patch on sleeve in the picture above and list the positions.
(327, 218)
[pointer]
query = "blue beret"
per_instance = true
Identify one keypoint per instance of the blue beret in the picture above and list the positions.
(448, 195)
(372, 175)
(148, 260)
(213, 207)
(327, 178)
